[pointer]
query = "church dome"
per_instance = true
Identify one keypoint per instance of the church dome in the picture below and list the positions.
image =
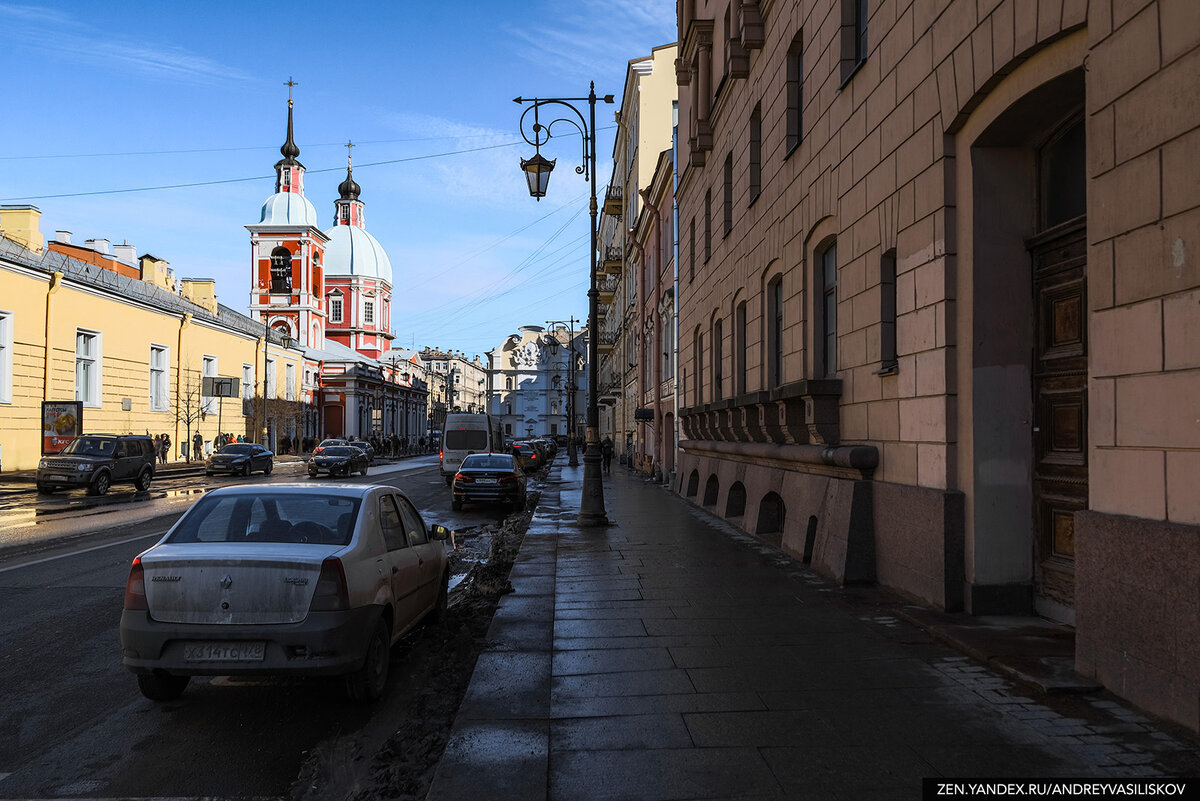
(288, 208)
(352, 251)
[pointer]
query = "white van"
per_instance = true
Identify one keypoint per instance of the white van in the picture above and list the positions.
(464, 434)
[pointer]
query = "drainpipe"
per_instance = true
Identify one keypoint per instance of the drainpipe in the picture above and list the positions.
(55, 284)
(675, 300)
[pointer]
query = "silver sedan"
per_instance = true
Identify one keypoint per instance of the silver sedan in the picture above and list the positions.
(283, 580)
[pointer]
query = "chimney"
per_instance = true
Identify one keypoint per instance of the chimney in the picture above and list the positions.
(99, 245)
(62, 237)
(202, 292)
(126, 254)
(155, 271)
(20, 224)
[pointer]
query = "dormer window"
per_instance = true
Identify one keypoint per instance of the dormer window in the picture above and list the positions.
(346, 213)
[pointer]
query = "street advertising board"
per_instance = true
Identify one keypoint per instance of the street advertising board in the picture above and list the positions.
(212, 386)
(62, 421)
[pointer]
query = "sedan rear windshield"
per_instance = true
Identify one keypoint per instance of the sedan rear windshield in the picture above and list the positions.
(466, 439)
(488, 462)
(269, 517)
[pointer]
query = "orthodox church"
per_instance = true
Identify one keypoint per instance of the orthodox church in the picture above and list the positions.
(331, 292)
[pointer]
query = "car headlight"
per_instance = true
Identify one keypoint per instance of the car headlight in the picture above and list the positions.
(41, 464)
(82, 468)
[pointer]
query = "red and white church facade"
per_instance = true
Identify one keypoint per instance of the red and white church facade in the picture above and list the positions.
(330, 291)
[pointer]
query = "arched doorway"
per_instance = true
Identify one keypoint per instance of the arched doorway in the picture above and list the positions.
(1028, 345)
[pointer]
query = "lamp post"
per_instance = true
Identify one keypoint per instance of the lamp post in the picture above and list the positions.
(572, 450)
(537, 172)
(286, 342)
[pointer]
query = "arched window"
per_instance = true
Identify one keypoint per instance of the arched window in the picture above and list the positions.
(827, 277)
(693, 484)
(735, 503)
(718, 356)
(774, 342)
(508, 382)
(771, 516)
(712, 488)
(281, 270)
(740, 338)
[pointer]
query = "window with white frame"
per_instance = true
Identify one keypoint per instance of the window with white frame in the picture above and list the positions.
(270, 378)
(159, 397)
(247, 381)
(290, 381)
(88, 363)
(208, 405)
(335, 308)
(6, 349)
(369, 312)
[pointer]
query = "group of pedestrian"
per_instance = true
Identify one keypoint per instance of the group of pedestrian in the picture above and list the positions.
(224, 439)
(162, 447)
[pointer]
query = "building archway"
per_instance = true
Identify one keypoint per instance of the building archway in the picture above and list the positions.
(712, 488)
(735, 501)
(693, 485)
(772, 514)
(1023, 309)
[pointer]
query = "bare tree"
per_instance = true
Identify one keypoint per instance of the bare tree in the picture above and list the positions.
(189, 407)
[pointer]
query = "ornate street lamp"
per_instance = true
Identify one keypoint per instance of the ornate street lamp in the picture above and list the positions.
(591, 506)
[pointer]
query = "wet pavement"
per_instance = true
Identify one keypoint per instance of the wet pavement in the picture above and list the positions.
(671, 656)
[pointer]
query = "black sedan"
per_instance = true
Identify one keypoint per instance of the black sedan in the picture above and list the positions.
(527, 456)
(240, 458)
(489, 477)
(338, 460)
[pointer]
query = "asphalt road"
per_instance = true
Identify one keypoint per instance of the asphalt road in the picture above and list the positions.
(72, 722)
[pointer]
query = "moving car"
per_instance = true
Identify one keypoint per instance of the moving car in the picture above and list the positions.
(97, 461)
(489, 477)
(338, 460)
(242, 458)
(464, 434)
(365, 447)
(329, 443)
(527, 456)
(282, 580)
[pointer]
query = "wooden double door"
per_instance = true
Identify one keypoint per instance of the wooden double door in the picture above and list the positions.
(1060, 425)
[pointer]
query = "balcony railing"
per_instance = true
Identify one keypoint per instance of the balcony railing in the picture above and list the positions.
(613, 260)
(612, 200)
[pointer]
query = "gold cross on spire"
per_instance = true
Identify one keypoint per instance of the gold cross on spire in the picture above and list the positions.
(349, 161)
(289, 83)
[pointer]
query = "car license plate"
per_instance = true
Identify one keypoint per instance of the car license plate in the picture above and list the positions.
(485, 481)
(56, 478)
(223, 651)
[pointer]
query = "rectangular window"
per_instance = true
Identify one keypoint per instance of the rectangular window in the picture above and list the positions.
(335, 310)
(692, 250)
(668, 363)
(697, 363)
(728, 194)
(6, 358)
(290, 381)
(707, 225)
(755, 153)
(739, 348)
(775, 332)
(269, 390)
(88, 362)
(247, 381)
(829, 309)
(718, 356)
(208, 405)
(887, 313)
(853, 36)
(159, 399)
(369, 312)
(795, 94)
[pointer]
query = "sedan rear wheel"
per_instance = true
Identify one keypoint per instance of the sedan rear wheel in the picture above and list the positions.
(270, 466)
(364, 470)
(246, 470)
(368, 682)
(456, 504)
(162, 686)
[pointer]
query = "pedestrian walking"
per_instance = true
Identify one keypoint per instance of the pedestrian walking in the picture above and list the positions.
(158, 446)
(606, 453)
(198, 446)
(420, 445)
(166, 448)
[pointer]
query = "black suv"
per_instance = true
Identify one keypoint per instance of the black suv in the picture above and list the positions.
(96, 461)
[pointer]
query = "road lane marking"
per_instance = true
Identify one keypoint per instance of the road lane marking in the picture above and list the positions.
(81, 551)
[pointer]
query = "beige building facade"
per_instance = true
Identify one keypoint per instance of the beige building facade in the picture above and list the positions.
(644, 129)
(940, 306)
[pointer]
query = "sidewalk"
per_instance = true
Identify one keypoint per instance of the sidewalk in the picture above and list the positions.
(672, 657)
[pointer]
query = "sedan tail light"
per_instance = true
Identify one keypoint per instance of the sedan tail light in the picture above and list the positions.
(464, 478)
(331, 594)
(135, 588)
(504, 479)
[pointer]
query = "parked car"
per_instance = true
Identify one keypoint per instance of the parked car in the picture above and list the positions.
(97, 461)
(282, 580)
(489, 477)
(242, 458)
(338, 460)
(365, 447)
(527, 456)
(329, 443)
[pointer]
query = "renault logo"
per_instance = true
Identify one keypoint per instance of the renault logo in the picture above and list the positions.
(226, 582)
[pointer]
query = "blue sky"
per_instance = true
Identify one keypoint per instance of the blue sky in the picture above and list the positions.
(474, 256)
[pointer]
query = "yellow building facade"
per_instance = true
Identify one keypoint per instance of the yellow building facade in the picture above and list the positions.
(132, 352)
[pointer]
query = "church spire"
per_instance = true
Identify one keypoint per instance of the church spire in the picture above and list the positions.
(349, 207)
(288, 170)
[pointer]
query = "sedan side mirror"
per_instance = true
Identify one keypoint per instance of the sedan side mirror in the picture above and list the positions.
(439, 532)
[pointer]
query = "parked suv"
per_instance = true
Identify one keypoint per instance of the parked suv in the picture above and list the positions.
(96, 461)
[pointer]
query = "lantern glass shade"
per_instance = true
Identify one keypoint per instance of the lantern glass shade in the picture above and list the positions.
(537, 172)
